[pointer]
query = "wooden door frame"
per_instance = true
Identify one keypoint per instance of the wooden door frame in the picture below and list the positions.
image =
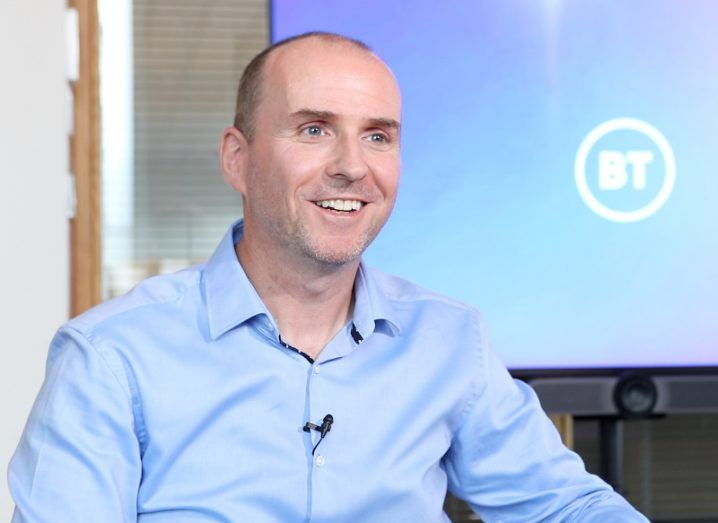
(85, 151)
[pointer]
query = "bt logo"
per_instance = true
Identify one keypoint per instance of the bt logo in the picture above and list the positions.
(612, 174)
(625, 170)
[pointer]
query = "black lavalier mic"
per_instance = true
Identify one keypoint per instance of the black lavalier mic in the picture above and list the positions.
(326, 425)
(323, 429)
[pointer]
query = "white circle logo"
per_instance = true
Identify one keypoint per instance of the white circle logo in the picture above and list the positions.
(613, 173)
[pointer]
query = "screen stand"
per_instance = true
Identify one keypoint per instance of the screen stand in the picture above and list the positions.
(611, 429)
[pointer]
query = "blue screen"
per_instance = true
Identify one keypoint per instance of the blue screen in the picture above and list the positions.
(559, 169)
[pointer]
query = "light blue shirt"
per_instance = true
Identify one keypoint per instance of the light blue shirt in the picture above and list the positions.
(178, 403)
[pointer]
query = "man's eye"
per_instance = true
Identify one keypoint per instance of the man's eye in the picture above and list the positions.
(378, 138)
(313, 130)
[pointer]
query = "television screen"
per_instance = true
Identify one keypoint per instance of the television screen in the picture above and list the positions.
(559, 169)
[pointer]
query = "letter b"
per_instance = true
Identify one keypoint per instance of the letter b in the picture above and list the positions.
(611, 170)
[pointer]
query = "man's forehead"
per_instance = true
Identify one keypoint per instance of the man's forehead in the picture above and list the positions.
(316, 53)
(307, 67)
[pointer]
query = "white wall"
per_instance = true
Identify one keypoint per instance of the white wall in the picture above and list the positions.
(33, 229)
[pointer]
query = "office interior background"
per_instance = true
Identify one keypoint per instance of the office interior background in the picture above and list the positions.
(154, 201)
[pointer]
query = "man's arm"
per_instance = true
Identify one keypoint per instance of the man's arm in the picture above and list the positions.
(78, 459)
(507, 460)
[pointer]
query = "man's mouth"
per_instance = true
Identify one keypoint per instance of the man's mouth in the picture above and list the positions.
(340, 205)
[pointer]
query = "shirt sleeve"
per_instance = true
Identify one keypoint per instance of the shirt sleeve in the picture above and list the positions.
(78, 459)
(508, 462)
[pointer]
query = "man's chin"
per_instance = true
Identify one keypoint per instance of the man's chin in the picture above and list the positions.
(334, 250)
(335, 255)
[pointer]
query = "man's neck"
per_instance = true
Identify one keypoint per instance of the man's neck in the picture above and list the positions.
(310, 301)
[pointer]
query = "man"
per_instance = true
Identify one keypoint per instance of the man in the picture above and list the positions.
(284, 381)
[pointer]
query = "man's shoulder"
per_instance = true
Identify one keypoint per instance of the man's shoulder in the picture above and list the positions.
(441, 330)
(146, 300)
(407, 294)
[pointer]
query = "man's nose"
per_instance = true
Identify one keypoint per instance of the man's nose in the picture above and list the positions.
(348, 160)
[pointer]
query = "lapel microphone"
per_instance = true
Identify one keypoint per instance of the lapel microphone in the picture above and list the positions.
(323, 429)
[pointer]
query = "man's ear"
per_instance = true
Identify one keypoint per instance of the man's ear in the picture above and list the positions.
(234, 158)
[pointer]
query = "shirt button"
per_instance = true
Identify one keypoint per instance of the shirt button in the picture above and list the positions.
(319, 461)
(316, 369)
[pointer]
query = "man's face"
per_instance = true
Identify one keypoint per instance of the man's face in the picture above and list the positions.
(323, 166)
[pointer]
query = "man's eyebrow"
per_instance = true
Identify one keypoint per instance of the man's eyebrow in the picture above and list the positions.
(387, 123)
(313, 114)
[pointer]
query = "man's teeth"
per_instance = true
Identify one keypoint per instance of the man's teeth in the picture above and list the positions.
(340, 205)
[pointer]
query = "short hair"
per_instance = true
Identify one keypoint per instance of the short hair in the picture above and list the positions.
(250, 85)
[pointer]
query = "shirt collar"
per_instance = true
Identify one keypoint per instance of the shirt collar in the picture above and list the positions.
(371, 304)
(232, 299)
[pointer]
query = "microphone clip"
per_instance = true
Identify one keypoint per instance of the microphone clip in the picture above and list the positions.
(310, 426)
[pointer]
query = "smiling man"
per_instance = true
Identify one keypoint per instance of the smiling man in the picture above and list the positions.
(284, 381)
(317, 161)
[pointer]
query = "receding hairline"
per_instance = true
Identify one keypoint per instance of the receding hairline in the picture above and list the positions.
(252, 82)
(322, 36)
